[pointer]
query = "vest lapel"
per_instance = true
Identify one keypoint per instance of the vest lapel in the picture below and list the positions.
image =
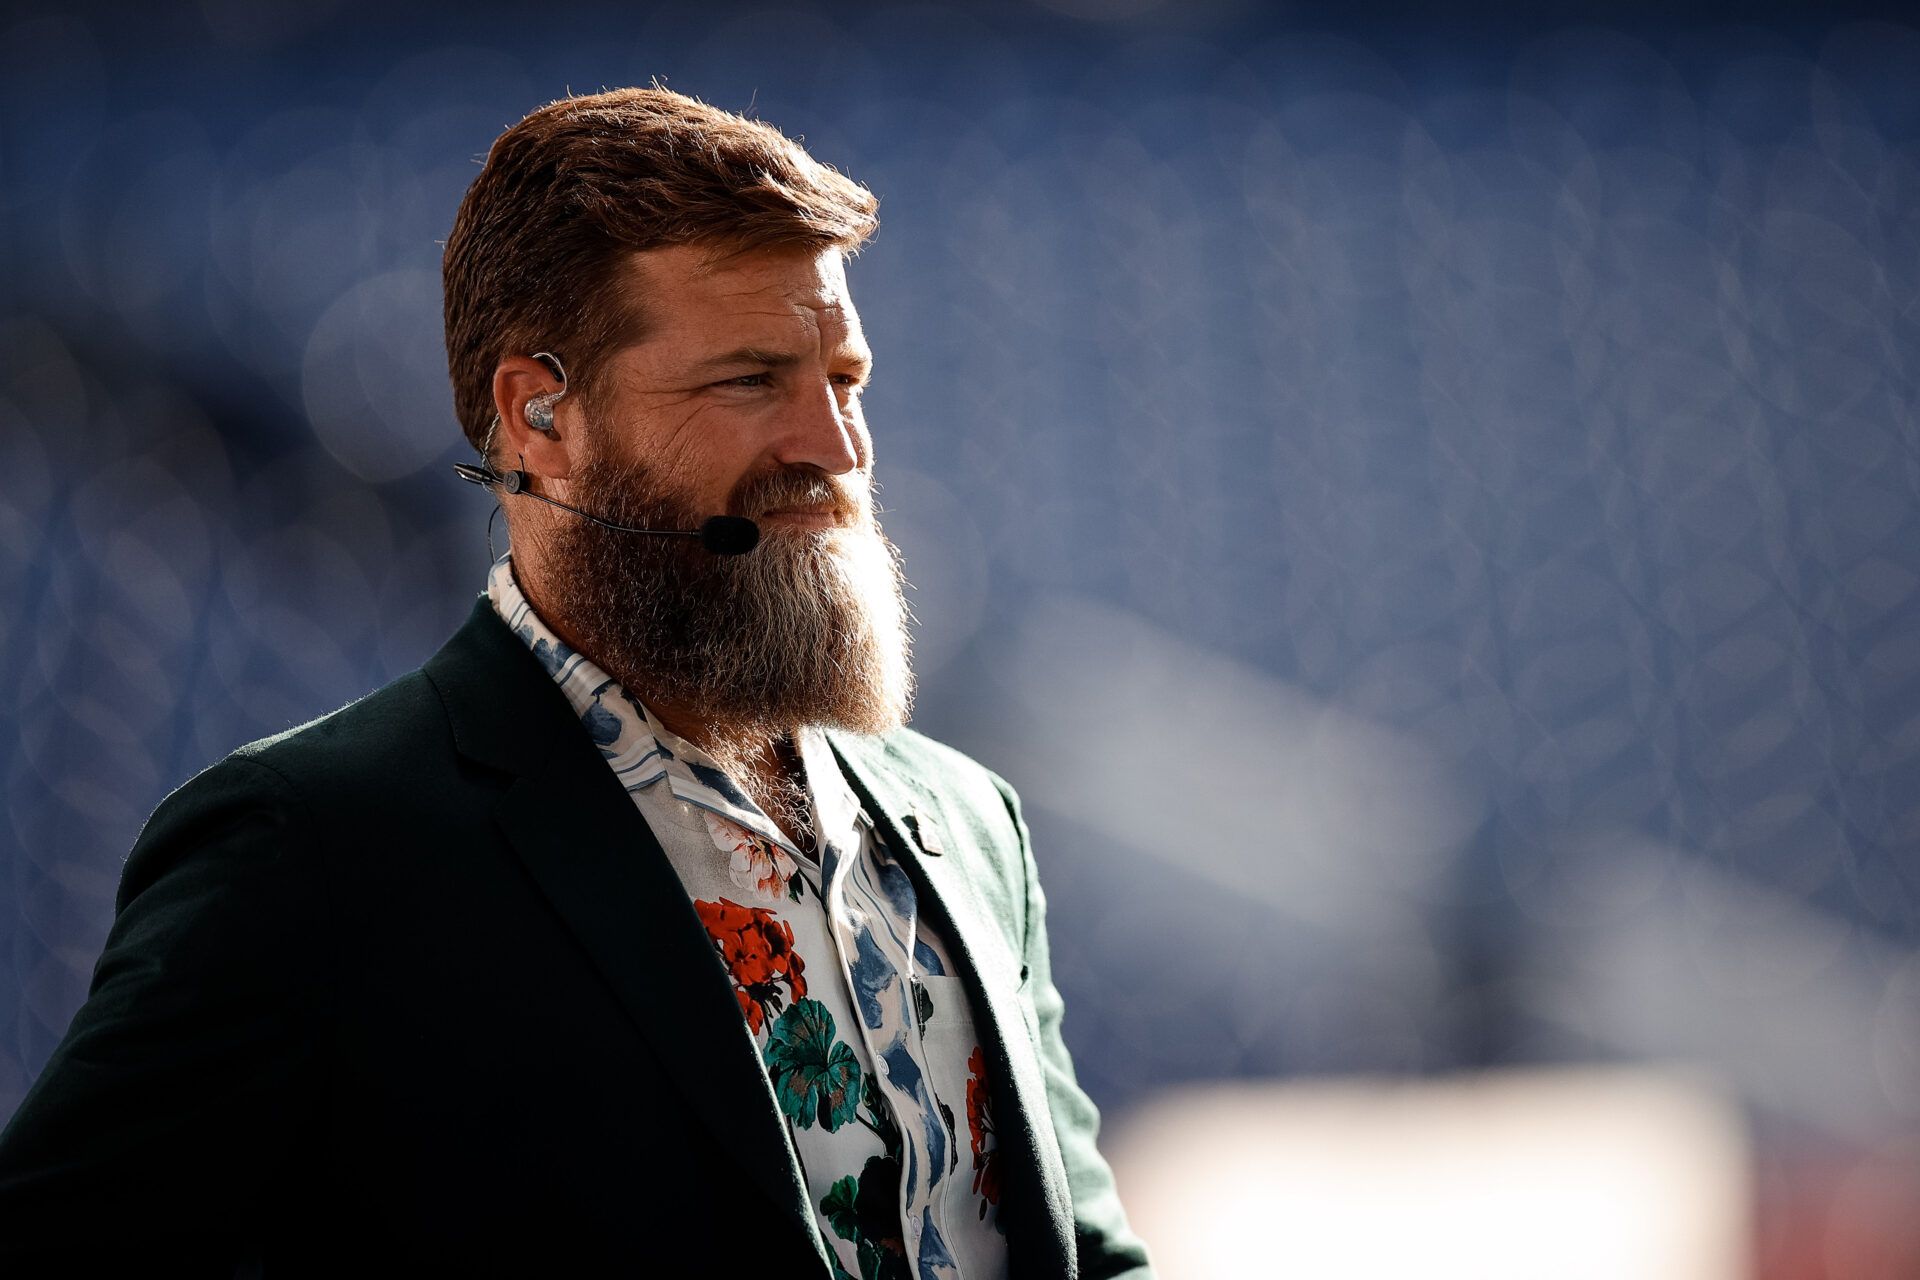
(602, 868)
(950, 884)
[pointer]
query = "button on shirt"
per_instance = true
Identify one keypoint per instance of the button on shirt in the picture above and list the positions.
(858, 1013)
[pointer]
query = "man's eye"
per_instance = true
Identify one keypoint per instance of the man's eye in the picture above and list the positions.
(851, 381)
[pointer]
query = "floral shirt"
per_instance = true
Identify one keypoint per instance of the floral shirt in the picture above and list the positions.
(859, 1015)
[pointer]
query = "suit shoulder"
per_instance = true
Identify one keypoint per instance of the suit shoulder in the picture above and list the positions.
(268, 799)
(932, 760)
(371, 742)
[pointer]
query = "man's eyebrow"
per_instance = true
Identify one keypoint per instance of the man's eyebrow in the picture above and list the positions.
(765, 356)
(749, 355)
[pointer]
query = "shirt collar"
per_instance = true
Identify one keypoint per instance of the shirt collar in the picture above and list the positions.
(642, 751)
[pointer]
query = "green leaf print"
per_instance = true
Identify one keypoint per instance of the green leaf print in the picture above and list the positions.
(815, 1077)
(883, 1254)
(879, 1117)
(838, 1206)
(953, 1138)
(865, 1211)
(922, 1005)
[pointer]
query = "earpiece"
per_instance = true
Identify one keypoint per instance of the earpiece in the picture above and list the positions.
(539, 410)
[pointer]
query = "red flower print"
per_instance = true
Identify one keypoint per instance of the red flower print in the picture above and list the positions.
(757, 948)
(986, 1164)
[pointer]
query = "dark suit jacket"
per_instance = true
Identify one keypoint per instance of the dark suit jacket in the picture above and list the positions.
(413, 987)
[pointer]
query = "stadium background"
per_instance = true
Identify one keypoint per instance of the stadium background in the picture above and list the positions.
(1423, 509)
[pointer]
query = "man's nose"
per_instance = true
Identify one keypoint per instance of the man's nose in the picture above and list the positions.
(822, 429)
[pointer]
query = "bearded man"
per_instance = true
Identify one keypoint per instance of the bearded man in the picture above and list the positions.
(632, 931)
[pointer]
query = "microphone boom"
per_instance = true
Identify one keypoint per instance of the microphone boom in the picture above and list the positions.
(722, 535)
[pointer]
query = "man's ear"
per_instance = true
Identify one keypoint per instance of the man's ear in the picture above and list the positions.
(516, 443)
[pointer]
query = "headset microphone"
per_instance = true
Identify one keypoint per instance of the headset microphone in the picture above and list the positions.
(722, 535)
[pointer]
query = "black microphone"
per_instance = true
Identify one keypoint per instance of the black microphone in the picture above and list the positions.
(722, 535)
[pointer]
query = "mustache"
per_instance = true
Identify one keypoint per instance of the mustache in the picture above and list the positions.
(799, 486)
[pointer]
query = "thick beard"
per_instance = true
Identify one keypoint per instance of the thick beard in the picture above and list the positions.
(809, 628)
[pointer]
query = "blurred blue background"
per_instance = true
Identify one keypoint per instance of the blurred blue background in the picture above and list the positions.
(1423, 509)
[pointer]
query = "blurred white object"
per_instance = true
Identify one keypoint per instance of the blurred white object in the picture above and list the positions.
(1585, 1174)
(1355, 820)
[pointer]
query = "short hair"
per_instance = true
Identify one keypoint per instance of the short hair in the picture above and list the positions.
(567, 194)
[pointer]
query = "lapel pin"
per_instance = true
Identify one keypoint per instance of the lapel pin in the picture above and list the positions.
(925, 832)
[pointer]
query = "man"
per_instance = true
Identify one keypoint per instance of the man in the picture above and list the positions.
(632, 932)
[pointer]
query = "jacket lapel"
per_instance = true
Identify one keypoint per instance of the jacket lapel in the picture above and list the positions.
(950, 883)
(602, 868)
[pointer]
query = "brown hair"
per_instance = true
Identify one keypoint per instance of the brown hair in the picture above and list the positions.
(578, 185)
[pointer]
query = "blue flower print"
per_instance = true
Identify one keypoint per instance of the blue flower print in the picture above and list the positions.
(720, 782)
(871, 977)
(935, 1258)
(895, 883)
(602, 726)
(552, 655)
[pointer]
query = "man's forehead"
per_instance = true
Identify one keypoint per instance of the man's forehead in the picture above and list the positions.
(683, 285)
